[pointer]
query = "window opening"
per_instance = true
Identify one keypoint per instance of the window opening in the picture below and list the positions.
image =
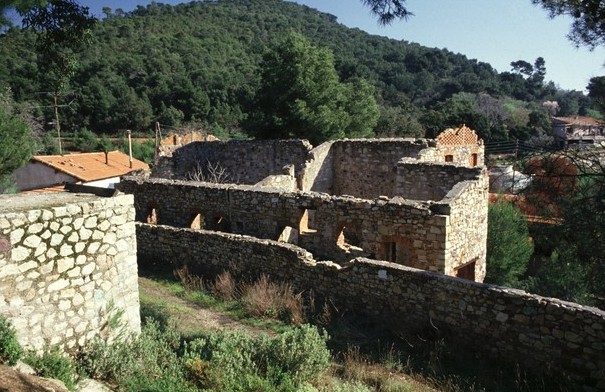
(197, 223)
(474, 160)
(449, 158)
(307, 222)
(289, 235)
(152, 217)
(466, 271)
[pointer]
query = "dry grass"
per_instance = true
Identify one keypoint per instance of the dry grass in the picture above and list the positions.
(381, 376)
(264, 298)
(188, 280)
(224, 287)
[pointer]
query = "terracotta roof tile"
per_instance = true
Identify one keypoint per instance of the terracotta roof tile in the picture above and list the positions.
(91, 166)
(578, 120)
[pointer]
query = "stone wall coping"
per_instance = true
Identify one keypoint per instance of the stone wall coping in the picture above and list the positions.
(27, 202)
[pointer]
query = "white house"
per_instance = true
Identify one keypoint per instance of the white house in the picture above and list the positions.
(93, 169)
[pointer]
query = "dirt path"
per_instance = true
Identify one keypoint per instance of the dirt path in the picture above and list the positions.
(190, 318)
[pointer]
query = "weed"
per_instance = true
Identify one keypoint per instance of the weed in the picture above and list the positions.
(275, 300)
(10, 349)
(224, 287)
(189, 281)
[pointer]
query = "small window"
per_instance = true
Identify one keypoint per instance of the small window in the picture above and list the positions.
(449, 158)
(474, 160)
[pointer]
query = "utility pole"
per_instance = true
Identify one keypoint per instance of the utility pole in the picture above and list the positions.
(129, 148)
(57, 125)
(157, 142)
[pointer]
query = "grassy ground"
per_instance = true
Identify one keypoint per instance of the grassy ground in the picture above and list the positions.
(366, 356)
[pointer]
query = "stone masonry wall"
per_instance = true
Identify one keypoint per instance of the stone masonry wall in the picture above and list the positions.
(418, 180)
(365, 168)
(318, 172)
(537, 332)
(407, 232)
(246, 162)
(67, 265)
(467, 204)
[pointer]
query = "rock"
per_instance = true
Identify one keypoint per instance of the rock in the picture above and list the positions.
(88, 385)
(12, 380)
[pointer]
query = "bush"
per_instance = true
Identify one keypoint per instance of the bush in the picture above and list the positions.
(224, 287)
(300, 352)
(52, 364)
(10, 349)
(273, 300)
(237, 361)
(145, 363)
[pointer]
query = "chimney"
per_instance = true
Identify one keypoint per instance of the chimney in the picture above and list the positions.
(107, 157)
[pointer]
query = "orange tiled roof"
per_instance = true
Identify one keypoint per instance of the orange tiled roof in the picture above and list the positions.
(578, 120)
(91, 166)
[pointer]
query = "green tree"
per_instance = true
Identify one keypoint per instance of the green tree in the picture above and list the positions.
(301, 96)
(588, 27)
(63, 27)
(596, 91)
(509, 245)
(16, 142)
(388, 10)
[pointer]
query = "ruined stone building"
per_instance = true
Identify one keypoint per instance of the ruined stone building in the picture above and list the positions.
(420, 203)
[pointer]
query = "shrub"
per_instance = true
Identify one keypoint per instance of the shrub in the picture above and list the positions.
(145, 363)
(224, 287)
(52, 364)
(274, 300)
(300, 352)
(237, 361)
(10, 349)
(222, 361)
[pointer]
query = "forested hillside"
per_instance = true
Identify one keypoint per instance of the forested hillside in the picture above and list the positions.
(200, 62)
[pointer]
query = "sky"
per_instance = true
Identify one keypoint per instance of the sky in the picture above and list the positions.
(492, 31)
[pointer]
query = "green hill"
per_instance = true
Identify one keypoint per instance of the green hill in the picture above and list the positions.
(199, 62)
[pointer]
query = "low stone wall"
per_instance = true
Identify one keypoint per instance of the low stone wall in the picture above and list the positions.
(537, 332)
(67, 265)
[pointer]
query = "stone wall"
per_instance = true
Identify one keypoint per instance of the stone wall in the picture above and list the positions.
(246, 162)
(418, 180)
(340, 228)
(540, 333)
(67, 265)
(318, 172)
(365, 168)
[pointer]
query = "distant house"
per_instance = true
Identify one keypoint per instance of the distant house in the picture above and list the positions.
(577, 131)
(97, 169)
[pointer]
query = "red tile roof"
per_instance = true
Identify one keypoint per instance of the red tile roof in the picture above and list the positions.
(578, 120)
(91, 166)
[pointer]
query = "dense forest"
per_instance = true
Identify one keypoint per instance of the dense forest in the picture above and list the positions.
(201, 63)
